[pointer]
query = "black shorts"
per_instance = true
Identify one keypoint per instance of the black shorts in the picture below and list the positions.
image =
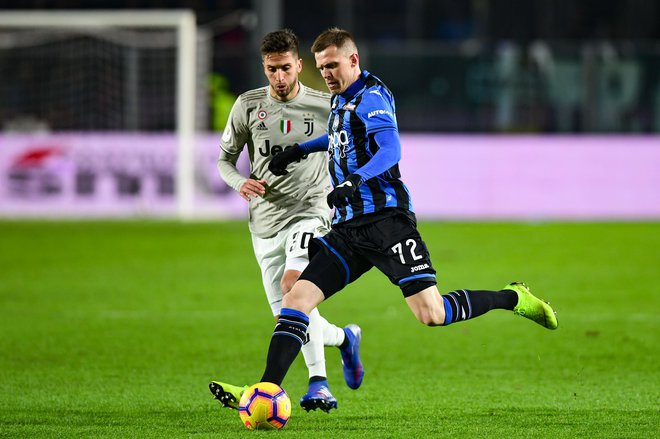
(392, 244)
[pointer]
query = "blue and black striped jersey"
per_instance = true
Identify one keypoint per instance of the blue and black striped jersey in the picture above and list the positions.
(356, 116)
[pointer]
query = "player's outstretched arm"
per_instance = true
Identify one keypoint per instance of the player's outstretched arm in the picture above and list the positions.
(295, 152)
(281, 160)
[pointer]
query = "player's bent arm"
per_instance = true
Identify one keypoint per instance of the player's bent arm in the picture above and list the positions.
(388, 154)
(228, 171)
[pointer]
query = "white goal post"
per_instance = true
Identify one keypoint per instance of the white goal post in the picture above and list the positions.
(183, 21)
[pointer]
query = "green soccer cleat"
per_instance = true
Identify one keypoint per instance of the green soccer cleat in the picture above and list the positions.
(227, 394)
(532, 307)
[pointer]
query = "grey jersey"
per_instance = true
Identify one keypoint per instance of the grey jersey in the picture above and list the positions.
(266, 126)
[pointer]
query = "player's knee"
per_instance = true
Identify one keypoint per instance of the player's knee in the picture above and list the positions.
(304, 296)
(294, 299)
(288, 280)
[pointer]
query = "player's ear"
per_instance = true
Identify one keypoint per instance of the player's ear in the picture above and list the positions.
(299, 65)
(355, 59)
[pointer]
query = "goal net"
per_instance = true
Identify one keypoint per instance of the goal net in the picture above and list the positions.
(112, 72)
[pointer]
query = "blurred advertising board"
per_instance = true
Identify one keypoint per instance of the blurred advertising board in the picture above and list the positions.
(452, 177)
(108, 175)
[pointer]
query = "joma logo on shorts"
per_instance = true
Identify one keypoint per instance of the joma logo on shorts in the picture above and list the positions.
(419, 268)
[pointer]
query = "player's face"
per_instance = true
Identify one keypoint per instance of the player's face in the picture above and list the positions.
(338, 68)
(282, 71)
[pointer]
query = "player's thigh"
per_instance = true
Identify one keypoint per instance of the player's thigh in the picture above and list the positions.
(298, 237)
(333, 263)
(304, 296)
(397, 250)
(271, 257)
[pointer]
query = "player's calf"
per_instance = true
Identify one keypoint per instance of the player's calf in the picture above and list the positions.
(427, 306)
(432, 309)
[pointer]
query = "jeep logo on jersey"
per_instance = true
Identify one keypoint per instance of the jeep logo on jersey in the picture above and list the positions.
(268, 150)
(285, 126)
(309, 126)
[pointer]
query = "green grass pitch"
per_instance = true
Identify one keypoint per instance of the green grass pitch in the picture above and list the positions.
(114, 329)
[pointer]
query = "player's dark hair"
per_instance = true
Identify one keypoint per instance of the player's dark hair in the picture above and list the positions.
(280, 41)
(334, 37)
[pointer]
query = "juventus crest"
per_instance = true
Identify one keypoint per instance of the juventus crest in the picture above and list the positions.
(309, 125)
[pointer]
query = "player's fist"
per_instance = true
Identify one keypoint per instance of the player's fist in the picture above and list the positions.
(281, 160)
(343, 193)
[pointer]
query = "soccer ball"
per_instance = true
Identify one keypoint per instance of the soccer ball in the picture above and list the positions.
(264, 406)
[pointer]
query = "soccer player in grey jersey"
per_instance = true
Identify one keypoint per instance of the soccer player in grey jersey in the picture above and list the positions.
(374, 224)
(286, 212)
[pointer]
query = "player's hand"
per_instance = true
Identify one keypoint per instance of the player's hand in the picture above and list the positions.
(343, 193)
(281, 160)
(252, 188)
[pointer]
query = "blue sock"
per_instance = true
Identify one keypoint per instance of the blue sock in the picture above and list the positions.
(288, 337)
(449, 313)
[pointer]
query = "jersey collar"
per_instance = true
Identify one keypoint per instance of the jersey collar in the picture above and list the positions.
(356, 86)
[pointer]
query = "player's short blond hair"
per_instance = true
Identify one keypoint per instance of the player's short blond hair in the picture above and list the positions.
(334, 36)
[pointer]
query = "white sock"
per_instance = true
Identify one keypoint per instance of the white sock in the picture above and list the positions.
(313, 350)
(332, 335)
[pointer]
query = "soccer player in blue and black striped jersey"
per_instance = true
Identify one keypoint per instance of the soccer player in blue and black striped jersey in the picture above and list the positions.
(374, 222)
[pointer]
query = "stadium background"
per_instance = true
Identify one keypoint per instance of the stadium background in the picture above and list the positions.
(578, 66)
(520, 116)
(461, 72)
